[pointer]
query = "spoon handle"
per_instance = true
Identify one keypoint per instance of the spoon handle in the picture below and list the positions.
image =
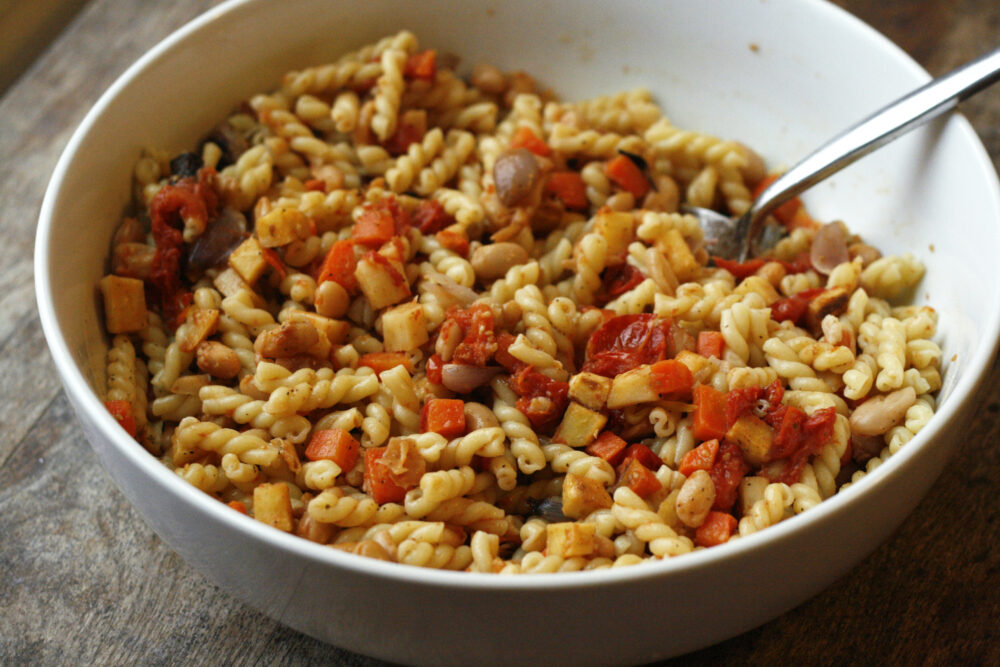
(899, 117)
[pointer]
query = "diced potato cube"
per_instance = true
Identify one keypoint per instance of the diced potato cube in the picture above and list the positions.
(831, 302)
(334, 330)
(124, 304)
(570, 540)
(754, 437)
(634, 386)
(280, 226)
(248, 260)
(190, 385)
(617, 228)
(677, 252)
(695, 362)
(758, 285)
(381, 280)
(579, 426)
(582, 496)
(404, 328)
(589, 389)
(228, 282)
(202, 323)
(272, 505)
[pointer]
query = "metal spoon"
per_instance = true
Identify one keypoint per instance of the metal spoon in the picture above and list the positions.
(742, 237)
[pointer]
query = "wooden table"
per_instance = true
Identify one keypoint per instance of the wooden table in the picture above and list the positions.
(83, 580)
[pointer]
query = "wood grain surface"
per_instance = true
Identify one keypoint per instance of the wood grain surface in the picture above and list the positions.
(84, 581)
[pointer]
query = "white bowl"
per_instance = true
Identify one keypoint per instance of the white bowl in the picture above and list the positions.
(781, 76)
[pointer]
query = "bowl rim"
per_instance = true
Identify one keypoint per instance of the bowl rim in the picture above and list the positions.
(125, 446)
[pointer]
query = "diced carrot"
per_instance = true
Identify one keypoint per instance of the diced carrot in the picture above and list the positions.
(443, 415)
(339, 265)
(717, 529)
(378, 480)
(711, 344)
(383, 361)
(642, 454)
(709, 417)
(570, 188)
(238, 506)
(453, 240)
(525, 137)
(374, 227)
(701, 457)
(784, 213)
(672, 379)
(623, 171)
(640, 479)
(421, 65)
(609, 447)
(275, 262)
(334, 444)
(122, 412)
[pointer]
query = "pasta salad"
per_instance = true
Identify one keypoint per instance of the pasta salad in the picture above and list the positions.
(459, 323)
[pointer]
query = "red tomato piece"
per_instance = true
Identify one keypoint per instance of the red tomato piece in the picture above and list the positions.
(727, 472)
(478, 343)
(122, 412)
(374, 227)
(626, 341)
(642, 454)
(430, 217)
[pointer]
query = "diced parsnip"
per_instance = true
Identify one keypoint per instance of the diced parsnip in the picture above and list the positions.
(582, 496)
(579, 426)
(695, 362)
(751, 490)
(272, 505)
(758, 285)
(291, 339)
(831, 302)
(754, 437)
(589, 389)
(202, 323)
(677, 252)
(404, 328)
(381, 280)
(190, 385)
(335, 330)
(229, 282)
(631, 387)
(280, 226)
(570, 540)
(124, 304)
(617, 228)
(248, 260)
